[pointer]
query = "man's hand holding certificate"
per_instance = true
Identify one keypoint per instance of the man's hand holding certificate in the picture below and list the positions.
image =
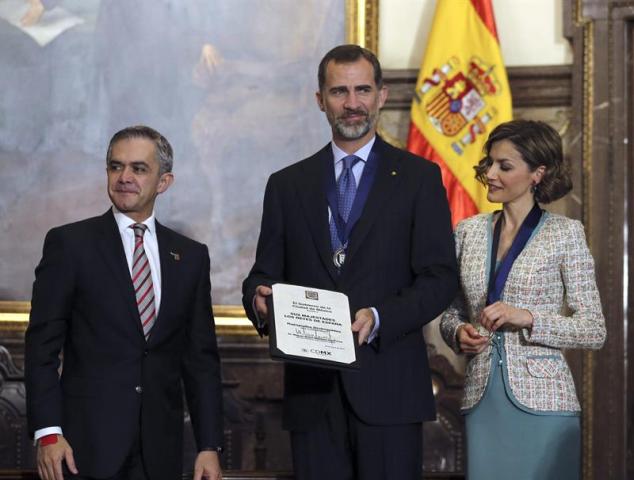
(310, 325)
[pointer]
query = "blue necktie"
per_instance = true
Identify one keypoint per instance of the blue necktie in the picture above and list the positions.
(346, 191)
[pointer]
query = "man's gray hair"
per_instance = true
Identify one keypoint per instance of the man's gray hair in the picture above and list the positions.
(164, 152)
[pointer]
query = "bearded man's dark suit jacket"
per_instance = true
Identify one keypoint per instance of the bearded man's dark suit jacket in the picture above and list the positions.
(83, 301)
(400, 260)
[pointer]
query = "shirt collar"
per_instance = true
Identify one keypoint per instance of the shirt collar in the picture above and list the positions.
(363, 153)
(124, 222)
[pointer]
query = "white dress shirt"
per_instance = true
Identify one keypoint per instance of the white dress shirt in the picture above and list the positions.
(150, 244)
(357, 170)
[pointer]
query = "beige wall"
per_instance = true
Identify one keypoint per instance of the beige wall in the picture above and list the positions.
(530, 31)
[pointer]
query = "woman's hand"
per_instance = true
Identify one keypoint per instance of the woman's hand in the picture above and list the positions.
(494, 316)
(469, 340)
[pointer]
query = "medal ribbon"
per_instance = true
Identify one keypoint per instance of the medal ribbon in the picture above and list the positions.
(343, 229)
(497, 278)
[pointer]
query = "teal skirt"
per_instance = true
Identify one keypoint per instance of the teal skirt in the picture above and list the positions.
(505, 442)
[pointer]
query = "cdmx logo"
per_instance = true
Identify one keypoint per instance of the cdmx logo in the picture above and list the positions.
(323, 353)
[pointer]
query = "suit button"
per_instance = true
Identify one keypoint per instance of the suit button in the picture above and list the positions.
(145, 352)
(138, 389)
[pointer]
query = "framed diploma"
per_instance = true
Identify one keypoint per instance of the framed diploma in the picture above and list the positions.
(311, 326)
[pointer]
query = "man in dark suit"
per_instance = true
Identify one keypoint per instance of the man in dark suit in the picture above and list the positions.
(128, 302)
(372, 221)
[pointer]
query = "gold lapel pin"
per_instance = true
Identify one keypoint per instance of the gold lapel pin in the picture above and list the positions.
(177, 256)
(394, 173)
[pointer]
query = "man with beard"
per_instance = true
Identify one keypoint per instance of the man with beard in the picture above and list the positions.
(372, 221)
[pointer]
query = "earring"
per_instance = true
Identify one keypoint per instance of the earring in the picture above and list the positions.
(533, 188)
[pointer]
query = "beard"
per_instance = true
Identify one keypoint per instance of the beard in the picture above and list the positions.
(356, 130)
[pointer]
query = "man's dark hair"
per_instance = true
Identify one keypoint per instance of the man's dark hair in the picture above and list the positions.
(349, 54)
(164, 152)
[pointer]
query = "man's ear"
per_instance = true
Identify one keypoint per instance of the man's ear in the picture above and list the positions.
(383, 91)
(165, 181)
(320, 101)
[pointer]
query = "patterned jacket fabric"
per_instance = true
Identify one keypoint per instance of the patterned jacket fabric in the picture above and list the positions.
(553, 278)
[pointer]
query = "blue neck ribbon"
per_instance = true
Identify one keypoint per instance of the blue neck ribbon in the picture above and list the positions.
(497, 277)
(363, 190)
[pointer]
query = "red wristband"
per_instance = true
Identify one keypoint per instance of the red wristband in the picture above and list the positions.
(48, 440)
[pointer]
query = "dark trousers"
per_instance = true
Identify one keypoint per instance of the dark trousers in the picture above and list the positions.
(342, 447)
(132, 468)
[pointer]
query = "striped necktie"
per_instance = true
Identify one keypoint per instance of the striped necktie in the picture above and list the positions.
(142, 281)
(346, 187)
(346, 192)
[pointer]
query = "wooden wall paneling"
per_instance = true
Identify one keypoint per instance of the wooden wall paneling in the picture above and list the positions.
(629, 331)
(599, 32)
(16, 450)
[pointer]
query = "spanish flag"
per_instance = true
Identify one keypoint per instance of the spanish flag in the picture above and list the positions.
(462, 93)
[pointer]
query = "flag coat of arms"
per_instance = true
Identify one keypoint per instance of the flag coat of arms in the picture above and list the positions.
(462, 93)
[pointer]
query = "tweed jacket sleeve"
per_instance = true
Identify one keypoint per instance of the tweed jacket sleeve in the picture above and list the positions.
(456, 314)
(585, 326)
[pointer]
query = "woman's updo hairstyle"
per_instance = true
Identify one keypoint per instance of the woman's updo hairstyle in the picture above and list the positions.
(539, 144)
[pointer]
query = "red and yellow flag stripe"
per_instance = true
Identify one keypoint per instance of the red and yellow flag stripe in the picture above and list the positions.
(461, 94)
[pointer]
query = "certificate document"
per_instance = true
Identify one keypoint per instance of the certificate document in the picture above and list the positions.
(312, 326)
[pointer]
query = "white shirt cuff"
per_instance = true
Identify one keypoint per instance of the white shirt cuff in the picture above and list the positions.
(42, 432)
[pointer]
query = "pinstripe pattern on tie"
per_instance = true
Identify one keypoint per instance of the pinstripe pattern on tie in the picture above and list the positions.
(142, 281)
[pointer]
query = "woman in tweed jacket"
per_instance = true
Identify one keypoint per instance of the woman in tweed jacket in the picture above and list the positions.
(520, 304)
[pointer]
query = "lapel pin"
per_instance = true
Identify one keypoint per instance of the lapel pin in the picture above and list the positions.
(177, 256)
(394, 173)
